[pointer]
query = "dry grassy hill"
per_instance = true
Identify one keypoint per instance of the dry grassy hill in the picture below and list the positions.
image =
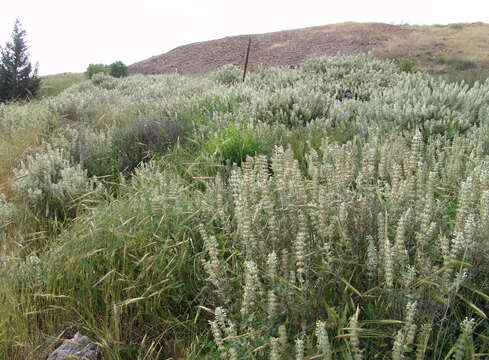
(438, 49)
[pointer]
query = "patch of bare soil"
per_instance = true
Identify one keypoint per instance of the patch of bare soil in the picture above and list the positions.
(290, 47)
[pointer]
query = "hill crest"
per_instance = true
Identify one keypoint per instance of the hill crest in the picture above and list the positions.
(424, 44)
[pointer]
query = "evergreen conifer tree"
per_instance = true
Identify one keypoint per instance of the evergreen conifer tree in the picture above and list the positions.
(18, 79)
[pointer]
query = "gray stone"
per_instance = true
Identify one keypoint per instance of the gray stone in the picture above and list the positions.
(79, 347)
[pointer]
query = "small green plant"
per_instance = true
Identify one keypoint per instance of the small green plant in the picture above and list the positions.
(118, 69)
(468, 77)
(456, 26)
(233, 144)
(441, 60)
(406, 65)
(93, 69)
(463, 64)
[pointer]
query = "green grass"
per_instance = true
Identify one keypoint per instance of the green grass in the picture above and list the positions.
(52, 85)
(469, 77)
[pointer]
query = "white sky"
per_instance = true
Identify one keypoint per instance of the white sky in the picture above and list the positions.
(67, 35)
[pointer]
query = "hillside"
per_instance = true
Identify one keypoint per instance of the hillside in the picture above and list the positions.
(336, 210)
(438, 49)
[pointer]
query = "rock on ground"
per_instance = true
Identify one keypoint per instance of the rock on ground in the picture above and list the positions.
(79, 347)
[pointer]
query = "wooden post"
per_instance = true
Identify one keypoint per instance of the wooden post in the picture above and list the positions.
(246, 60)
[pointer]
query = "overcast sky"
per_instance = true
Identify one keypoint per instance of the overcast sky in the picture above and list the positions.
(66, 35)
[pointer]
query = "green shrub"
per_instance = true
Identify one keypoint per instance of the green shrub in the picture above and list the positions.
(347, 77)
(107, 154)
(119, 69)
(93, 69)
(406, 65)
(144, 138)
(233, 144)
(104, 81)
(463, 64)
(229, 75)
(441, 60)
(456, 26)
(95, 154)
(290, 107)
(215, 105)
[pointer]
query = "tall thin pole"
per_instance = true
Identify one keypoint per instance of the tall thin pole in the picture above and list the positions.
(246, 61)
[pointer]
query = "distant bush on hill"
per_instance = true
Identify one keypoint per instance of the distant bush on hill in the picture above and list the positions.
(116, 69)
(93, 69)
(119, 69)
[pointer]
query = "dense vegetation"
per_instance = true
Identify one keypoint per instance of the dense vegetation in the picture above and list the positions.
(336, 211)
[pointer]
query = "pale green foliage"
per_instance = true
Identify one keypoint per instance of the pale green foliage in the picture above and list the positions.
(464, 338)
(104, 81)
(352, 76)
(49, 182)
(405, 336)
(354, 328)
(299, 349)
(228, 75)
(322, 340)
(7, 211)
(18, 116)
(324, 219)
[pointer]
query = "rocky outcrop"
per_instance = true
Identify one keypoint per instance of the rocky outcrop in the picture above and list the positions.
(78, 347)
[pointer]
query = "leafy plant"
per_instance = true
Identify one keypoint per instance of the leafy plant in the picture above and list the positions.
(406, 65)
(93, 69)
(463, 64)
(233, 144)
(49, 183)
(118, 69)
(104, 81)
(228, 75)
(144, 138)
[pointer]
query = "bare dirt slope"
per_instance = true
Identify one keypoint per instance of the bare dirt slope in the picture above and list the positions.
(432, 48)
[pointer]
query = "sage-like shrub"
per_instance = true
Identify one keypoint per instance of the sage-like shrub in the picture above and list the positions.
(49, 183)
(353, 248)
(228, 75)
(352, 77)
(104, 81)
